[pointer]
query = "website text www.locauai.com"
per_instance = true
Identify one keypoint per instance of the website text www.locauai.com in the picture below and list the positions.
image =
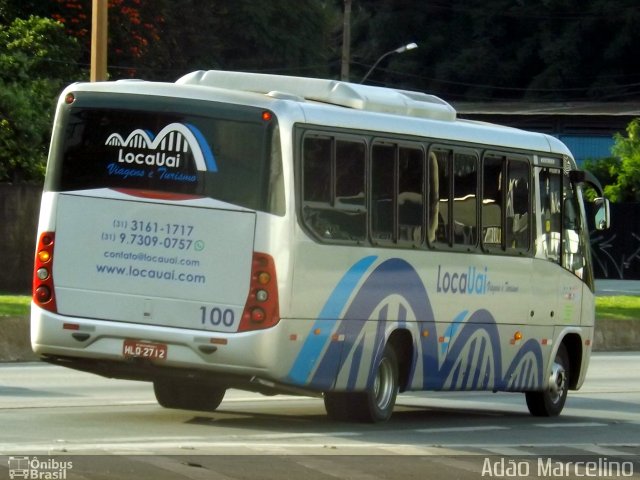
(152, 273)
(163, 270)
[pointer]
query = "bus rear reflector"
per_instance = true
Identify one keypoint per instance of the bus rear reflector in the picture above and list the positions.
(261, 310)
(43, 290)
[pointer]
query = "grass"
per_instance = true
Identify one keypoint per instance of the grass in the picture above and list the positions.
(616, 308)
(14, 305)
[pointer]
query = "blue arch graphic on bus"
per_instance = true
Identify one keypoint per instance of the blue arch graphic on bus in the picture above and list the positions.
(470, 360)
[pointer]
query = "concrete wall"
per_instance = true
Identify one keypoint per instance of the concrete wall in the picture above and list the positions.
(19, 207)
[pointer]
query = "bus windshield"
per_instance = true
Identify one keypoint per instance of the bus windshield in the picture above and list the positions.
(217, 151)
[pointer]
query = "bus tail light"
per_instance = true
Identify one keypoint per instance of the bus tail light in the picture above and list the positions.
(43, 291)
(261, 310)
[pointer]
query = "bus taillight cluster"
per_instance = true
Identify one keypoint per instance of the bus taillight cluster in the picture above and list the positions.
(43, 292)
(261, 310)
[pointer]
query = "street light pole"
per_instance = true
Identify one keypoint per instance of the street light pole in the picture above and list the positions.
(98, 71)
(404, 48)
(346, 41)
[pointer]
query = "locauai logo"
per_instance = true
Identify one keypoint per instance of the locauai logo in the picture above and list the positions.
(465, 282)
(167, 150)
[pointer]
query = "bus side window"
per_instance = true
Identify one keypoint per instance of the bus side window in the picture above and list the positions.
(465, 197)
(410, 195)
(350, 198)
(551, 213)
(333, 188)
(517, 208)
(317, 170)
(492, 201)
(382, 192)
(443, 230)
(397, 193)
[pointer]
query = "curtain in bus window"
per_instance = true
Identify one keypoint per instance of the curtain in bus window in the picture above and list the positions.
(382, 192)
(492, 201)
(434, 198)
(465, 186)
(410, 195)
(443, 231)
(551, 213)
(517, 206)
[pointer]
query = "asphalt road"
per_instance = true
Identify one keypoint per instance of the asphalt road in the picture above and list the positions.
(115, 429)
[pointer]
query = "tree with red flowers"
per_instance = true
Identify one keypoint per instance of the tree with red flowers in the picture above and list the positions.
(133, 28)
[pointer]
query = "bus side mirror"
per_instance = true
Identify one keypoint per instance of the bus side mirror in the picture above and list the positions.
(602, 215)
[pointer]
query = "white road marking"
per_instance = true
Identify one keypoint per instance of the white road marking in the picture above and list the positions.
(570, 425)
(460, 429)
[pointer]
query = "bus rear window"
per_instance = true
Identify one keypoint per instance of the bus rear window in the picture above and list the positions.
(233, 157)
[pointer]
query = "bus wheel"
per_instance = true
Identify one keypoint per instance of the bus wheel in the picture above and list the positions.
(550, 402)
(376, 404)
(188, 395)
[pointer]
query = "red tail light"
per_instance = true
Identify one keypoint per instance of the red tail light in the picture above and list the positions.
(261, 310)
(43, 291)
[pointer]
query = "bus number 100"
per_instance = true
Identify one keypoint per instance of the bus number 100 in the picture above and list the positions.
(217, 316)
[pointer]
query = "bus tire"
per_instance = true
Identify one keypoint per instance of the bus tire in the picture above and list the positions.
(550, 402)
(188, 395)
(377, 402)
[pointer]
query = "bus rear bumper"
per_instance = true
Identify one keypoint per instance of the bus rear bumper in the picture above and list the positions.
(257, 358)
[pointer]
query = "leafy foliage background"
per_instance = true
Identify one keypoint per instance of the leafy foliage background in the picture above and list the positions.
(469, 50)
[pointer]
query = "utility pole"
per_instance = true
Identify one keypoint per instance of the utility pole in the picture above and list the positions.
(346, 41)
(99, 27)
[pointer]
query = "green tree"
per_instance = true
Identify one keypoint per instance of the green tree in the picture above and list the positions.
(479, 50)
(627, 148)
(133, 28)
(36, 60)
(606, 170)
(278, 36)
(164, 39)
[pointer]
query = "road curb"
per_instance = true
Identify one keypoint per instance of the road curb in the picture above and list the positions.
(617, 335)
(15, 343)
(610, 335)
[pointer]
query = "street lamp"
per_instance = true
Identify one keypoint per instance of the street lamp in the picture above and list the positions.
(404, 48)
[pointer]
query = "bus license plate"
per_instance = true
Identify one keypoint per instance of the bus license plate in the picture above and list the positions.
(134, 348)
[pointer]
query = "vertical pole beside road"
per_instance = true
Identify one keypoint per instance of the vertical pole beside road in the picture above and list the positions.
(346, 41)
(99, 41)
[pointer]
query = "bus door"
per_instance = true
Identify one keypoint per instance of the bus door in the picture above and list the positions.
(560, 241)
(547, 270)
(575, 261)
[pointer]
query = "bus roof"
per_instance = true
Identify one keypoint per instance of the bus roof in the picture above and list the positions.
(415, 107)
(342, 104)
(356, 96)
